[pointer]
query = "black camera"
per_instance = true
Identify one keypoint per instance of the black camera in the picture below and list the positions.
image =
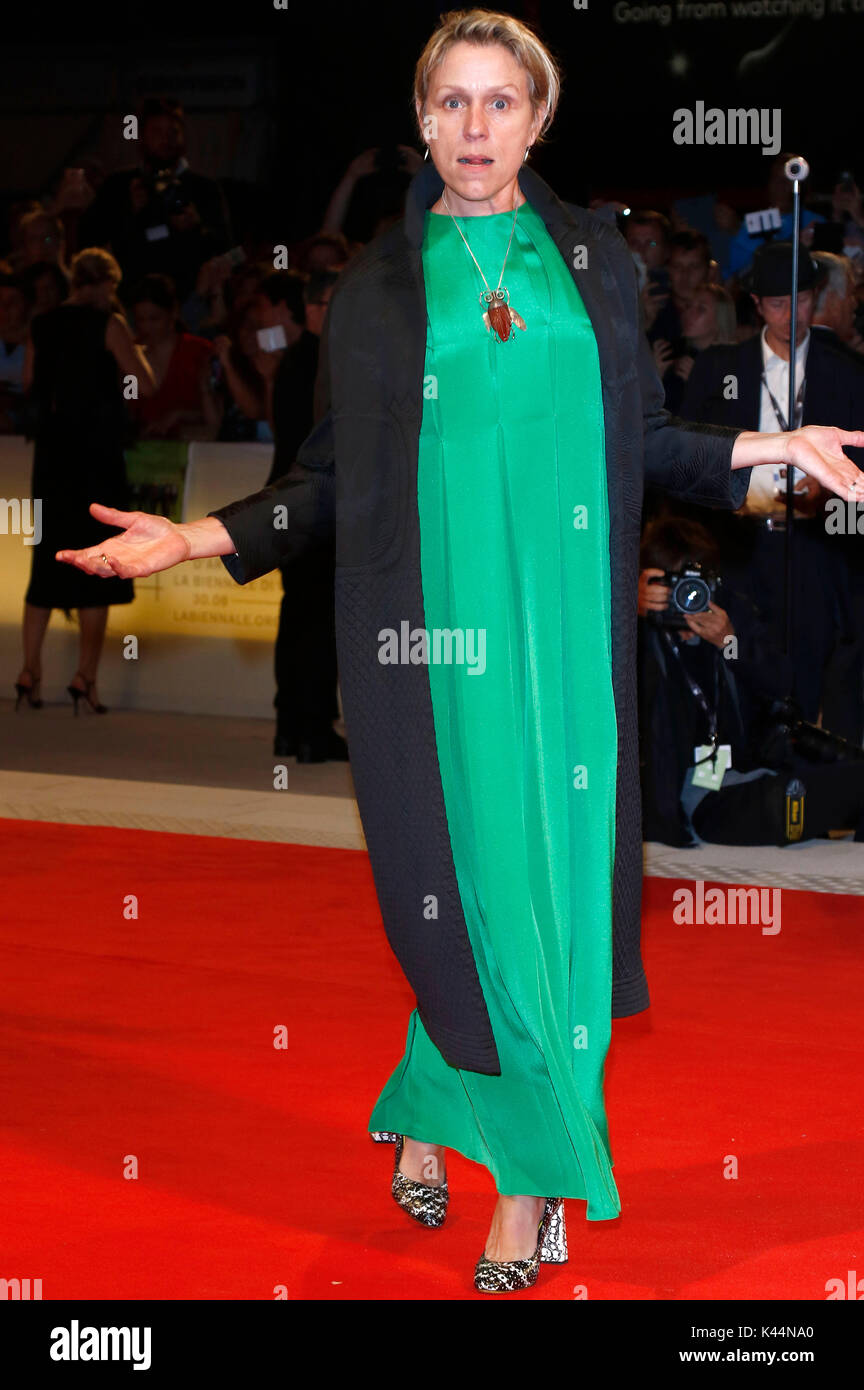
(785, 735)
(690, 591)
(166, 193)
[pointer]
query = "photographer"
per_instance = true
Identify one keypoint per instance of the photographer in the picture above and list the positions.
(716, 764)
(159, 217)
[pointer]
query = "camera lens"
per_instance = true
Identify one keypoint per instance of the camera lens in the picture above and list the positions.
(691, 595)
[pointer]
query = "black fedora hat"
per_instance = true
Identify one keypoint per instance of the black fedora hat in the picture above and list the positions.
(771, 271)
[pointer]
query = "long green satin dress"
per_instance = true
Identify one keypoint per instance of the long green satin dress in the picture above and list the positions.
(514, 532)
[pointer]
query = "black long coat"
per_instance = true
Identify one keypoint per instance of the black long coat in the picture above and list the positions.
(362, 476)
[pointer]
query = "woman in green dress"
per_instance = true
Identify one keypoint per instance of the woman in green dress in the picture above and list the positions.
(516, 528)
(515, 548)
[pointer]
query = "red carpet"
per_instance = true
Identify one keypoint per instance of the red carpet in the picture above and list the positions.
(153, 1038)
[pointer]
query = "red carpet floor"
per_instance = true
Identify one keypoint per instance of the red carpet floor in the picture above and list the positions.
(150, 1039)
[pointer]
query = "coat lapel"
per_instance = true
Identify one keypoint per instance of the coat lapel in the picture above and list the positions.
(750, 386)
(820, 404)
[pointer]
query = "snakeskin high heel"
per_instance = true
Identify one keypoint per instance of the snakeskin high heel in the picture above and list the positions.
(505, 1276)
(426, 1204)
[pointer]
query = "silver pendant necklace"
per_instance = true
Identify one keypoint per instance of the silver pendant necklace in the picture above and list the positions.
(498, 313)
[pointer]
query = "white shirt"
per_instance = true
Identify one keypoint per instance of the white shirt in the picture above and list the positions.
(765, 477)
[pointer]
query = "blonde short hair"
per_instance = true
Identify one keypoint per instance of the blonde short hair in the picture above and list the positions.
(94, 266)
(836, 274)
(484, 27)
(725, 317)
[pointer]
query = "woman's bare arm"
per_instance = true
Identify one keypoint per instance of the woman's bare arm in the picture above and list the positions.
(130, 357)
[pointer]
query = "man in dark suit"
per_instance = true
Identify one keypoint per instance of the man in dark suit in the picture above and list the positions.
(747, 385)
(160, 216)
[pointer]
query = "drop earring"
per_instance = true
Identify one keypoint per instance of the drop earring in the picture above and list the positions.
(526, 154)
(426, 155)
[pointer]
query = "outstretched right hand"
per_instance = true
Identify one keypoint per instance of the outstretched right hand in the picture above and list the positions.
(146, 545)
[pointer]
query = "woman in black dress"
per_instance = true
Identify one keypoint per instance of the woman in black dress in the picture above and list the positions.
(76, 357)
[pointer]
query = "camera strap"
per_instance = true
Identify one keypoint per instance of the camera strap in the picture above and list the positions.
(699, 696)
(799, 405)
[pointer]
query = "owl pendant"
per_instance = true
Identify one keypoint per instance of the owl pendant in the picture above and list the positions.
(498, 314)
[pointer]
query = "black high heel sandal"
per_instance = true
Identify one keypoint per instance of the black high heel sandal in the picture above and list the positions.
(28, 690)
(85, 695)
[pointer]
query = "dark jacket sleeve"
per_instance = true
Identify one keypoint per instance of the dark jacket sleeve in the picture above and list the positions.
(296, 511)
(689, 460)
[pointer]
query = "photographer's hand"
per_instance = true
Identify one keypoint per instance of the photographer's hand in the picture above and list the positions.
(653, 300)
(663, 356)
(652, 597)
(714, 625)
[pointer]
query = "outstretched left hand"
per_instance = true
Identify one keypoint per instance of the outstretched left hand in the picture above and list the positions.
(818, 450)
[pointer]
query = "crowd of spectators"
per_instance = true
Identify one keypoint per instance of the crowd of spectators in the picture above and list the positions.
(230, 332)
(193, 296)
(196, 302)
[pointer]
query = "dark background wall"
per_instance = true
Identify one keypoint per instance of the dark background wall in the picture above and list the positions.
(286, 98)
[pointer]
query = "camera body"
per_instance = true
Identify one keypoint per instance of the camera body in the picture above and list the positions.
(785, 735)
(691, 590)
(166, 193)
